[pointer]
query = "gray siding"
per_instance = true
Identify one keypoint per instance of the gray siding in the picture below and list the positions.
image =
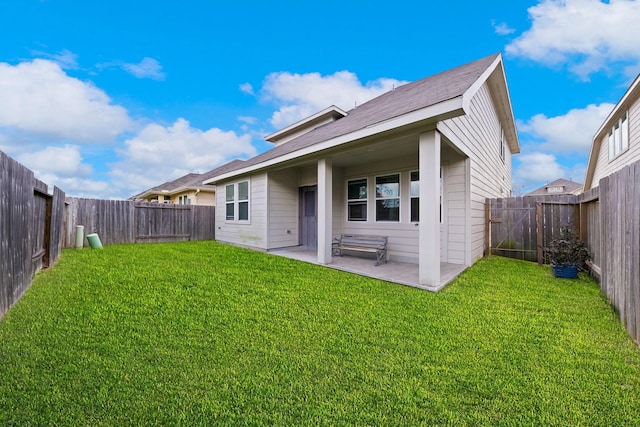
(254, 232)
(455, 213)
(478, 135)
(283, 209)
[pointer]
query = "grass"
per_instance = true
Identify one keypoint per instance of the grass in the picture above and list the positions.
(201, 333)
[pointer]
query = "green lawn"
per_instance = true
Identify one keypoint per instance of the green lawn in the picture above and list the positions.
(201, 333)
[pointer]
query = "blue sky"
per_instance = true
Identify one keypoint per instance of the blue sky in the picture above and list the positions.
(106, 99)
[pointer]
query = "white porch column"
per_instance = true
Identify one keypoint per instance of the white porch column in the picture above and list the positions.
(325, 209)
(429, 234)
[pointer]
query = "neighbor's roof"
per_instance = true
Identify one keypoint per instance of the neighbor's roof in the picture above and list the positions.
(402, 100)
(629, 97)
(190, 181)
(570, 187)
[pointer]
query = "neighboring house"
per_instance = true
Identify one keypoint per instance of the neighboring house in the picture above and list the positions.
(617, 142)
(414, 164)
(556, 188)
(186, 190)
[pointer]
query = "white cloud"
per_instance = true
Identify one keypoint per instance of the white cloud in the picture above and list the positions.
(63, 161)
(247, 88)
(568, 133)
(161, 153)
(502, 28)
(301, 95)
(148, 68)
(39, 98)
(65, 58)
(587, 35)
(537, 167)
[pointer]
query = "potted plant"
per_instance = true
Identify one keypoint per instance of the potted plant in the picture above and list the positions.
(567, 254)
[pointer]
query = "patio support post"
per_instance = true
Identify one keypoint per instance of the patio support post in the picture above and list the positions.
(325, 209)
(429, 234)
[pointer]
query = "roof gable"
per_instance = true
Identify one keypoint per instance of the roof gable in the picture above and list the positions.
(630, 96)
(437, 97)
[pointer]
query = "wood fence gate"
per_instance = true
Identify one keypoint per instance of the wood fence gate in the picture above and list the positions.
(520, 227)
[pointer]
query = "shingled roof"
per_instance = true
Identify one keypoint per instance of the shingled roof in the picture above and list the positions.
(402, 100)
(189, 181)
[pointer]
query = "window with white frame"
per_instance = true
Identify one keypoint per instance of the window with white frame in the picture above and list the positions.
(357, 199)
(414, 195)
(243, 201)
(184, 200)
(230, 202)
(388, 198)
(237, 201)
(618, 140)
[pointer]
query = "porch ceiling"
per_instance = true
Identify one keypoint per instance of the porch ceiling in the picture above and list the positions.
(383, 150)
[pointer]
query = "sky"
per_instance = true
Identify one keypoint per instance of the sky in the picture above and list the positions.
(108, 99)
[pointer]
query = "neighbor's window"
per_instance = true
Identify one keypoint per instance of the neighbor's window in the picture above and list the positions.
(618, 140)
(230, 202)
(388, 198)
(184, 200)
(357, 199)
(414, 194)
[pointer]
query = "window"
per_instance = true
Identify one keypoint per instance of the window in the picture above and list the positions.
(556, 189)
(388, 198)
(184, 200)
(243, 201)
(230, 203)
(237, 208)
(357, 199)
(414, 195)
(618, 139)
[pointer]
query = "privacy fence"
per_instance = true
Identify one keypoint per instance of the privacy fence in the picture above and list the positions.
(607, 218)
(125, 221)
(36, 225)
(30, 229)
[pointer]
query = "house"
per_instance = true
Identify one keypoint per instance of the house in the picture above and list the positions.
(414, 164)
(616, 143)
(558, 187)
(187, 189)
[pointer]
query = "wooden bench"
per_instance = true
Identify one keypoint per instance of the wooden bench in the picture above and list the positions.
(361, 243)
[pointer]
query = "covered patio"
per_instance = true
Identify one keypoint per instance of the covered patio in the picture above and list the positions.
(395, 272)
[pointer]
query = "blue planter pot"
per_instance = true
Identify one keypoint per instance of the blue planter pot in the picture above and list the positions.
(565, 271)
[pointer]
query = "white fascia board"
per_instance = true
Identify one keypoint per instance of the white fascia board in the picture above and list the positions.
(446, 109)
(303, 122)
(505, 111)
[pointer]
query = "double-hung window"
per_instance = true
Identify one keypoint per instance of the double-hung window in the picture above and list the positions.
(357, 199)
(237, 201)
(618, 140)
(414, 195)
(388, 198)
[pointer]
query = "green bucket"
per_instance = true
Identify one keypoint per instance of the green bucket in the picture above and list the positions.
(94, 241)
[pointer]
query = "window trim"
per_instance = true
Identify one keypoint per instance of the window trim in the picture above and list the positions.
(618, 137)
(503, 147)
(411, 221)
(398, 197)
(366, 200)
(235, 202)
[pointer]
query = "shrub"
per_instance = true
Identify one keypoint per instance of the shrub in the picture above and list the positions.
(567, 250)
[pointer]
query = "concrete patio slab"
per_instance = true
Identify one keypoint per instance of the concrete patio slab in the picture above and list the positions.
(395, 272)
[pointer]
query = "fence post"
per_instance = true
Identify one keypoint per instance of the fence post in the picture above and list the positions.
(487, 227)
(539, 232)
